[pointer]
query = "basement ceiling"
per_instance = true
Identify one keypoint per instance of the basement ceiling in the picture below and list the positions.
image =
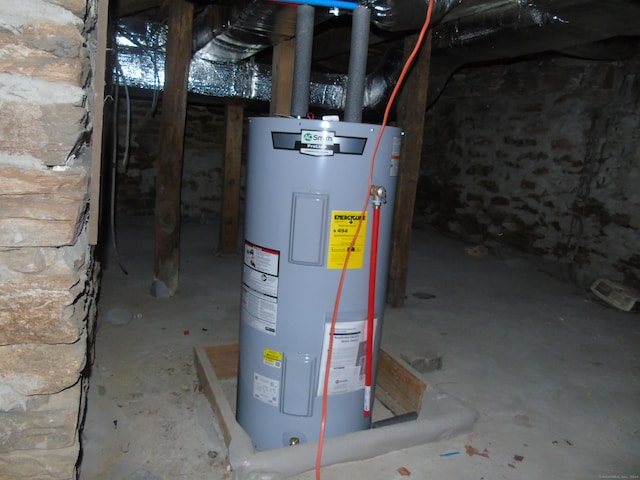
(464, 33)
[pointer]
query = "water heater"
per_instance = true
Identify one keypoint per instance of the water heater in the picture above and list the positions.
(307, 183)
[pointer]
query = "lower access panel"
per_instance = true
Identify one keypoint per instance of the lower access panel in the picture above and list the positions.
(298, 384)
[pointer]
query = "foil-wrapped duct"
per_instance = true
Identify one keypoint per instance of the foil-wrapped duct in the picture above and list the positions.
(258, 25)
(464, 31)
(404, 15)
(141, 57)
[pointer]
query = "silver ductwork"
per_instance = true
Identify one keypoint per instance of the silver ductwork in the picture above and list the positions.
(251, 27)
(485, 31)
(464, 31)
(402, 15)
(508, 28)
(141, 54)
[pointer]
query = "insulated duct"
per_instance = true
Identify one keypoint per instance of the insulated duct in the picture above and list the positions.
(141, 54)
(464, 32)
(512, 28)
(502, 30)
(251, 27)
(403, 15)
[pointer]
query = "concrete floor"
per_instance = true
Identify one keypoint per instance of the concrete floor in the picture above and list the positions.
(553, 373)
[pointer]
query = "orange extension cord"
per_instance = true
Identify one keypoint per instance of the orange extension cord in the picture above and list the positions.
(334, 317)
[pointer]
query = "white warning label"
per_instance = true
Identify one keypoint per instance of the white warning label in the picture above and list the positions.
(261, 259)
(260, 287)
(348, 357)
(266, 389)
(260, 281)
(262, 310)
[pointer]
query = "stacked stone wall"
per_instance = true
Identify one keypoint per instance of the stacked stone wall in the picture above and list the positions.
(542, 155)
(48, 277)
(202, 167)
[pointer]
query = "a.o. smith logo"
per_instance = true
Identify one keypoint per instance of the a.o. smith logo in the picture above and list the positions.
(318, 137)
(318, 143)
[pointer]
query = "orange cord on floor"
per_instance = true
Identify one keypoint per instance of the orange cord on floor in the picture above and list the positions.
(334, 317)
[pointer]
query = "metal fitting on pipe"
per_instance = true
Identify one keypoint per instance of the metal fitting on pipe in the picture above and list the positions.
(379, 193)
(357, 64)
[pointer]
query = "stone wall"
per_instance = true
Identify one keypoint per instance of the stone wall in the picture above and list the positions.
(203, 159)
(542, 155)
(48, 278)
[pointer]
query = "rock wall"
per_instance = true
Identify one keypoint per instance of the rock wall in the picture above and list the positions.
(542, 155)
(48, 278)
(203, 159)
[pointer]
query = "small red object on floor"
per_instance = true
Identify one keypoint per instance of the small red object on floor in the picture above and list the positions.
(404, 471)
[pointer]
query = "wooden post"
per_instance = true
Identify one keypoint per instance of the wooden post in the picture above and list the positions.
(171, 150)
(234, 119)
(282, 65)
(98, 117)
(412, 104)
(282, 77)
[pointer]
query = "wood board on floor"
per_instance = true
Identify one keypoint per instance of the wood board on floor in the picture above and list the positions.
(442, 416)
(398, 388)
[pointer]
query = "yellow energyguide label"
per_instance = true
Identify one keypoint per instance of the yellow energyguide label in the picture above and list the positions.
(344, 226)
(272, 357)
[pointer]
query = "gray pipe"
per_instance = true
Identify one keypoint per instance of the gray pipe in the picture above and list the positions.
(302, 61)
(357, 64)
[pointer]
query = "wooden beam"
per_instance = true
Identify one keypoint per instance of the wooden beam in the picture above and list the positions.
(171, 150)
(282, 66)
(412, 105)
(212, 388)
(398, 380)
(224, 359)
(234, 119)
(98, 116)
(398, 384)
(130, 7)
(282, 77)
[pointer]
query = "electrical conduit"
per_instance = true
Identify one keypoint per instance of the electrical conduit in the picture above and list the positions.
(379, 195)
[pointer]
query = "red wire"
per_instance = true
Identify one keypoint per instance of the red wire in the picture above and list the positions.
(334, 317)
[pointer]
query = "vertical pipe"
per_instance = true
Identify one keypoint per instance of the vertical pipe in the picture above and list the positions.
(357, 64)
(302, 61)
(371, 307)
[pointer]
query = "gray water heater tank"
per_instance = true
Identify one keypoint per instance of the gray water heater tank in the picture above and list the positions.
(307, 183)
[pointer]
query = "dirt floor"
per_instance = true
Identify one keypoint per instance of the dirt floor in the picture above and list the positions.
(553, 373)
